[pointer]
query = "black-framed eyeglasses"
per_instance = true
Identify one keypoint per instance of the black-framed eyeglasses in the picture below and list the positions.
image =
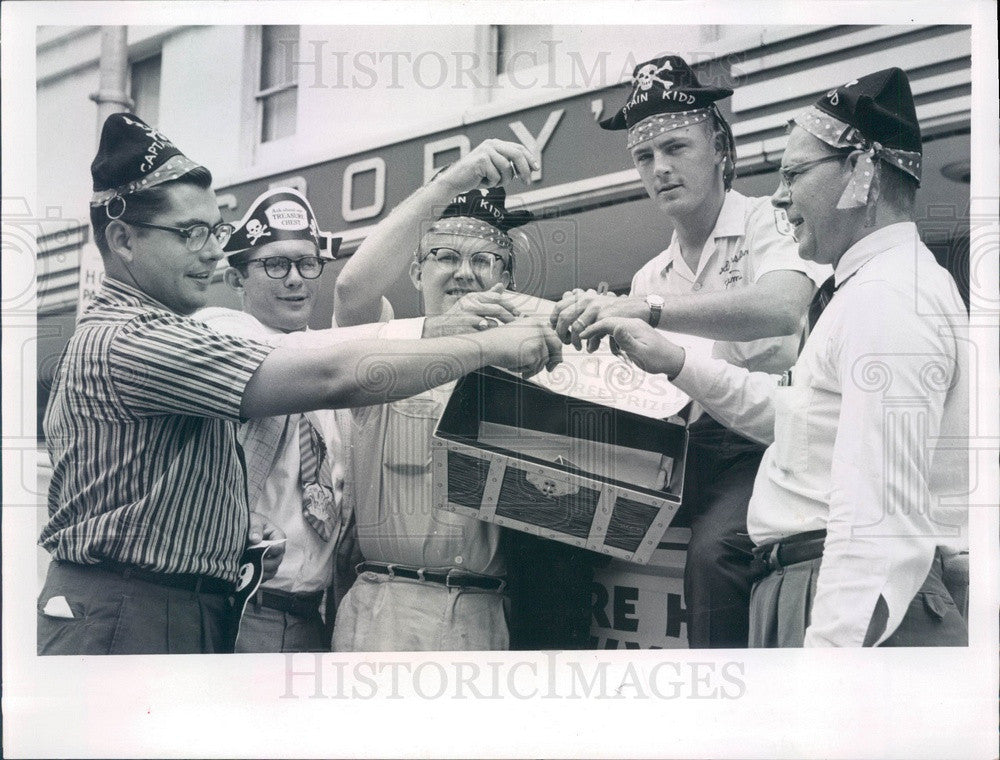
(482, 262)
(787, 174)
(196, 235)
(277, 267)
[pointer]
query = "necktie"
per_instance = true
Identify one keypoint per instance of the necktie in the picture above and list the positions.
(820, 301)
(316, 474)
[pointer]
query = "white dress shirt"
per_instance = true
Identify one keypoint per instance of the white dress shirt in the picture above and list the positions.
(869, 440)
(272, 458)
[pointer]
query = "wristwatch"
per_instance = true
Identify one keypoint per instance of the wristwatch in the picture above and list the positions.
(655, 304)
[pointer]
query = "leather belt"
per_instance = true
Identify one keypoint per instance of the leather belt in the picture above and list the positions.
(802, 547)
(300, 605)
(198, 584)
(449, 578)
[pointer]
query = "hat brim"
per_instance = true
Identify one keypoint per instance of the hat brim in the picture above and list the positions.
(703, 95)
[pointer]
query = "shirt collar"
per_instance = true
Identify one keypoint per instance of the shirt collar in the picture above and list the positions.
(117, 291)
(870, 246)
(731, 222)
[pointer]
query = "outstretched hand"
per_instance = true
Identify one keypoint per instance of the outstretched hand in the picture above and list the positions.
(527, 346)
(645, 346)
(472, 312)
(578, 309)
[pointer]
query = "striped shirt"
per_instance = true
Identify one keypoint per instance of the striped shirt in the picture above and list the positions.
(141, 431)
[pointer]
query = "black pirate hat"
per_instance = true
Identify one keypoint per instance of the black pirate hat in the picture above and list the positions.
(880, 106)
(666, 85)
(281, 213)
(874, 115)
(131, 157)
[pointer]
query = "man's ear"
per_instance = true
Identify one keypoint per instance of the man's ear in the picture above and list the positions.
(233, 279)
(120, 237)
(415, 272)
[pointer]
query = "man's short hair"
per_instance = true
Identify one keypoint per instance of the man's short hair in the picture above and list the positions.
(897, 188)
(143, 206)
(722, 136)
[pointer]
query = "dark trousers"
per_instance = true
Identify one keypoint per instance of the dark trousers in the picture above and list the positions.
(263, 630)
(782, 606)
(718, 481)
(549, 587)
(116, 615)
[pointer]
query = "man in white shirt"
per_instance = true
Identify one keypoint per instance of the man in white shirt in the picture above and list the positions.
(860, 495)
(731, 274)
(432, 580)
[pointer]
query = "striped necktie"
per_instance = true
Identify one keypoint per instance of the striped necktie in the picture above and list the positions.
(820, 301)
(316, 474)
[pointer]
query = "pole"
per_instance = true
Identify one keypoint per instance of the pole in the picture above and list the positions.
(111, 96)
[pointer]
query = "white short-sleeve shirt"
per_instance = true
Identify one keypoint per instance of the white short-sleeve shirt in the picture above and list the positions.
(750, 239)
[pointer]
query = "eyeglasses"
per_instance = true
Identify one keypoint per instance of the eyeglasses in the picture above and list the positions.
(787, 174)
(277, 267)
(196, 235)
(482, 262)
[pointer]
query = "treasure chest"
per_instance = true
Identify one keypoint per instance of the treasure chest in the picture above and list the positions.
(524, 457)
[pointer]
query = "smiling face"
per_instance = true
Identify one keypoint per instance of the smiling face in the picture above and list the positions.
(283, 304)
(159, 262)
(822, 231)
(441, 286)
(681, 169)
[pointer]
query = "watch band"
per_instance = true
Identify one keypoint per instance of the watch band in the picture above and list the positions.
(654, 314)
(655, 305)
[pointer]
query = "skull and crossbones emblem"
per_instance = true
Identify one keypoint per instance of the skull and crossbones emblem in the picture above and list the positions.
(256, 230)
(648, 74)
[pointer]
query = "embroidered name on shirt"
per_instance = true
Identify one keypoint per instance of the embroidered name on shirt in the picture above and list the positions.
(734, 275)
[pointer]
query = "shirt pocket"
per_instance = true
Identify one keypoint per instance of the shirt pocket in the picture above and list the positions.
(791, 427)
(409, 428)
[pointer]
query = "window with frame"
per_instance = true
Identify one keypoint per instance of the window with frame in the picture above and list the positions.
(278, 89)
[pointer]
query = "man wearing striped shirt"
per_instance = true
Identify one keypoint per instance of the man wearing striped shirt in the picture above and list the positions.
(148, 503)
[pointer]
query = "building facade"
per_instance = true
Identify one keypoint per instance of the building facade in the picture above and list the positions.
(358, 117)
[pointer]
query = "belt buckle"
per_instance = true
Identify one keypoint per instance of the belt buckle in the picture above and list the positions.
(447, 579)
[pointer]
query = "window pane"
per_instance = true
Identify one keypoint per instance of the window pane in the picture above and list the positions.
(145, 90)
(279, 47)
(279, 115)
(519, 46)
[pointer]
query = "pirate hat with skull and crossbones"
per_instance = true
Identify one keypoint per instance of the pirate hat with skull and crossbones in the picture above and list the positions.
(666, 94)
(281, 213)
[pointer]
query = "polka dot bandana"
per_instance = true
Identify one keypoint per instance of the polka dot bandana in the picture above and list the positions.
(462, 225)
(838, 134)
(172, 169)
(653, 126)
